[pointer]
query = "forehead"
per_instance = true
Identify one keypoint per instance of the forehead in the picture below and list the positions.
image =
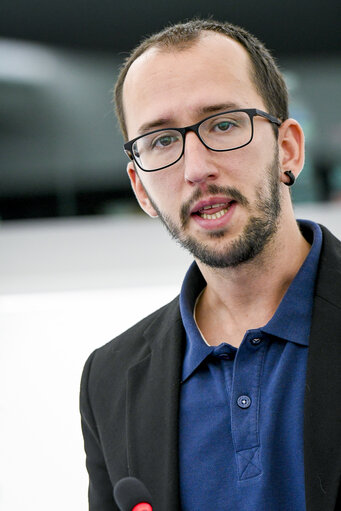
(175, 85)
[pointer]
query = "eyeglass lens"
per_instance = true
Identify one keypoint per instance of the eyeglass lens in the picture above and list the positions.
(221, 133)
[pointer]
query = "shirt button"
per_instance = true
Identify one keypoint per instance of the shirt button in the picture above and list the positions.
(243, 401)
(256, 341)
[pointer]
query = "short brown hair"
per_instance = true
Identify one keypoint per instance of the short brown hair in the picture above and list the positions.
(266, 76)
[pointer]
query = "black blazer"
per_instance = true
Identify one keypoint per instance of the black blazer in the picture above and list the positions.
(130, 396)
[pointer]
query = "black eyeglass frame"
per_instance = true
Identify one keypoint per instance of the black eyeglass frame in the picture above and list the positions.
(251, 112)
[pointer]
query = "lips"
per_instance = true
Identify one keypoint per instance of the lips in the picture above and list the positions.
(212, 209)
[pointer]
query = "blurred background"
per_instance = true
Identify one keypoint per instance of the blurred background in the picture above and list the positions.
(78, 261)
(60, 148)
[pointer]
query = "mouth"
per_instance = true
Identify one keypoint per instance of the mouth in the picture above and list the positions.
(212, 209)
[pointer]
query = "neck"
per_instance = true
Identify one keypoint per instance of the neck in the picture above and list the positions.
(247, 296)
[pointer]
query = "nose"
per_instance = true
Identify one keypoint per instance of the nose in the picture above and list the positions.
(199, 166)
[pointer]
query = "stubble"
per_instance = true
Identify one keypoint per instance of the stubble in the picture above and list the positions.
(259, 230)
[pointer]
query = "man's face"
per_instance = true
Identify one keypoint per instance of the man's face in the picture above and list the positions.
(224, 207)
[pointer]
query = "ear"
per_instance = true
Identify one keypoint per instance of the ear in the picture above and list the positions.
(291, 147)
(139, 190)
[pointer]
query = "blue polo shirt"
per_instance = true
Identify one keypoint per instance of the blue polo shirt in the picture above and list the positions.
(241, 410)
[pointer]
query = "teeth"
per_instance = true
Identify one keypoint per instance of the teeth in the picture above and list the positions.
(215, 215)
(215, 206)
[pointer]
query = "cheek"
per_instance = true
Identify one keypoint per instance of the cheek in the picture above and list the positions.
(249, 164)
(165, 185)
(238, 167)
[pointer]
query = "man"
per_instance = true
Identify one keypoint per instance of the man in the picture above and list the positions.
(226, 398)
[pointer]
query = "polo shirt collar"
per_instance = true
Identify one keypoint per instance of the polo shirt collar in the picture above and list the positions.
(291, 321)
(196, 348)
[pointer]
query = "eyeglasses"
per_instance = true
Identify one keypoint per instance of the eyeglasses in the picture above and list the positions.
(225, 131)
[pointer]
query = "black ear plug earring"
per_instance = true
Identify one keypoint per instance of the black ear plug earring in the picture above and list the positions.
(291, 177)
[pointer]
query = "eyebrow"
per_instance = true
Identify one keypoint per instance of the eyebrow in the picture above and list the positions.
(168, 122)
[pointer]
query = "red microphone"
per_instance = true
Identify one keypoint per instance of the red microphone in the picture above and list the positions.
(130, 494)
(142, 506)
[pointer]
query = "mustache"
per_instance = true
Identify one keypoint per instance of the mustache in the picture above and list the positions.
(212, 190)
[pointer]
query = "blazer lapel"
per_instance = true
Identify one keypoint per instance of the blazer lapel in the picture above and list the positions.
(152, 411)
(323, 385)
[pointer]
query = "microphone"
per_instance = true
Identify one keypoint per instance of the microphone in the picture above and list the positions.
(131, 495)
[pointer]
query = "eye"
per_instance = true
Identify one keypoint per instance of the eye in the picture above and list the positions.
(164, 140)
(223, 126)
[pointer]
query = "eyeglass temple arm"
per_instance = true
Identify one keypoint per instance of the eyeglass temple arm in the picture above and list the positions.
(270, 118)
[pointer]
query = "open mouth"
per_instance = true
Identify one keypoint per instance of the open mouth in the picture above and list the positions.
(214, 211)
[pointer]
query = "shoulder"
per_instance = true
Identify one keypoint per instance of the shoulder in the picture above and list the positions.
(135, 343)
(331, 246)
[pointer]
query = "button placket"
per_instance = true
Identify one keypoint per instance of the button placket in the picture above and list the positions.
(226, 354)
(245, 406)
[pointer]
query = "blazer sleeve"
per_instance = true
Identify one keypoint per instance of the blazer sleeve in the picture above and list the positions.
(100, 487)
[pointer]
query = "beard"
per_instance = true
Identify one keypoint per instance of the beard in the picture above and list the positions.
(259, 230)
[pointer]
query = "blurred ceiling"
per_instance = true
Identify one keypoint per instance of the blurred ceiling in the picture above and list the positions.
(288, 27)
